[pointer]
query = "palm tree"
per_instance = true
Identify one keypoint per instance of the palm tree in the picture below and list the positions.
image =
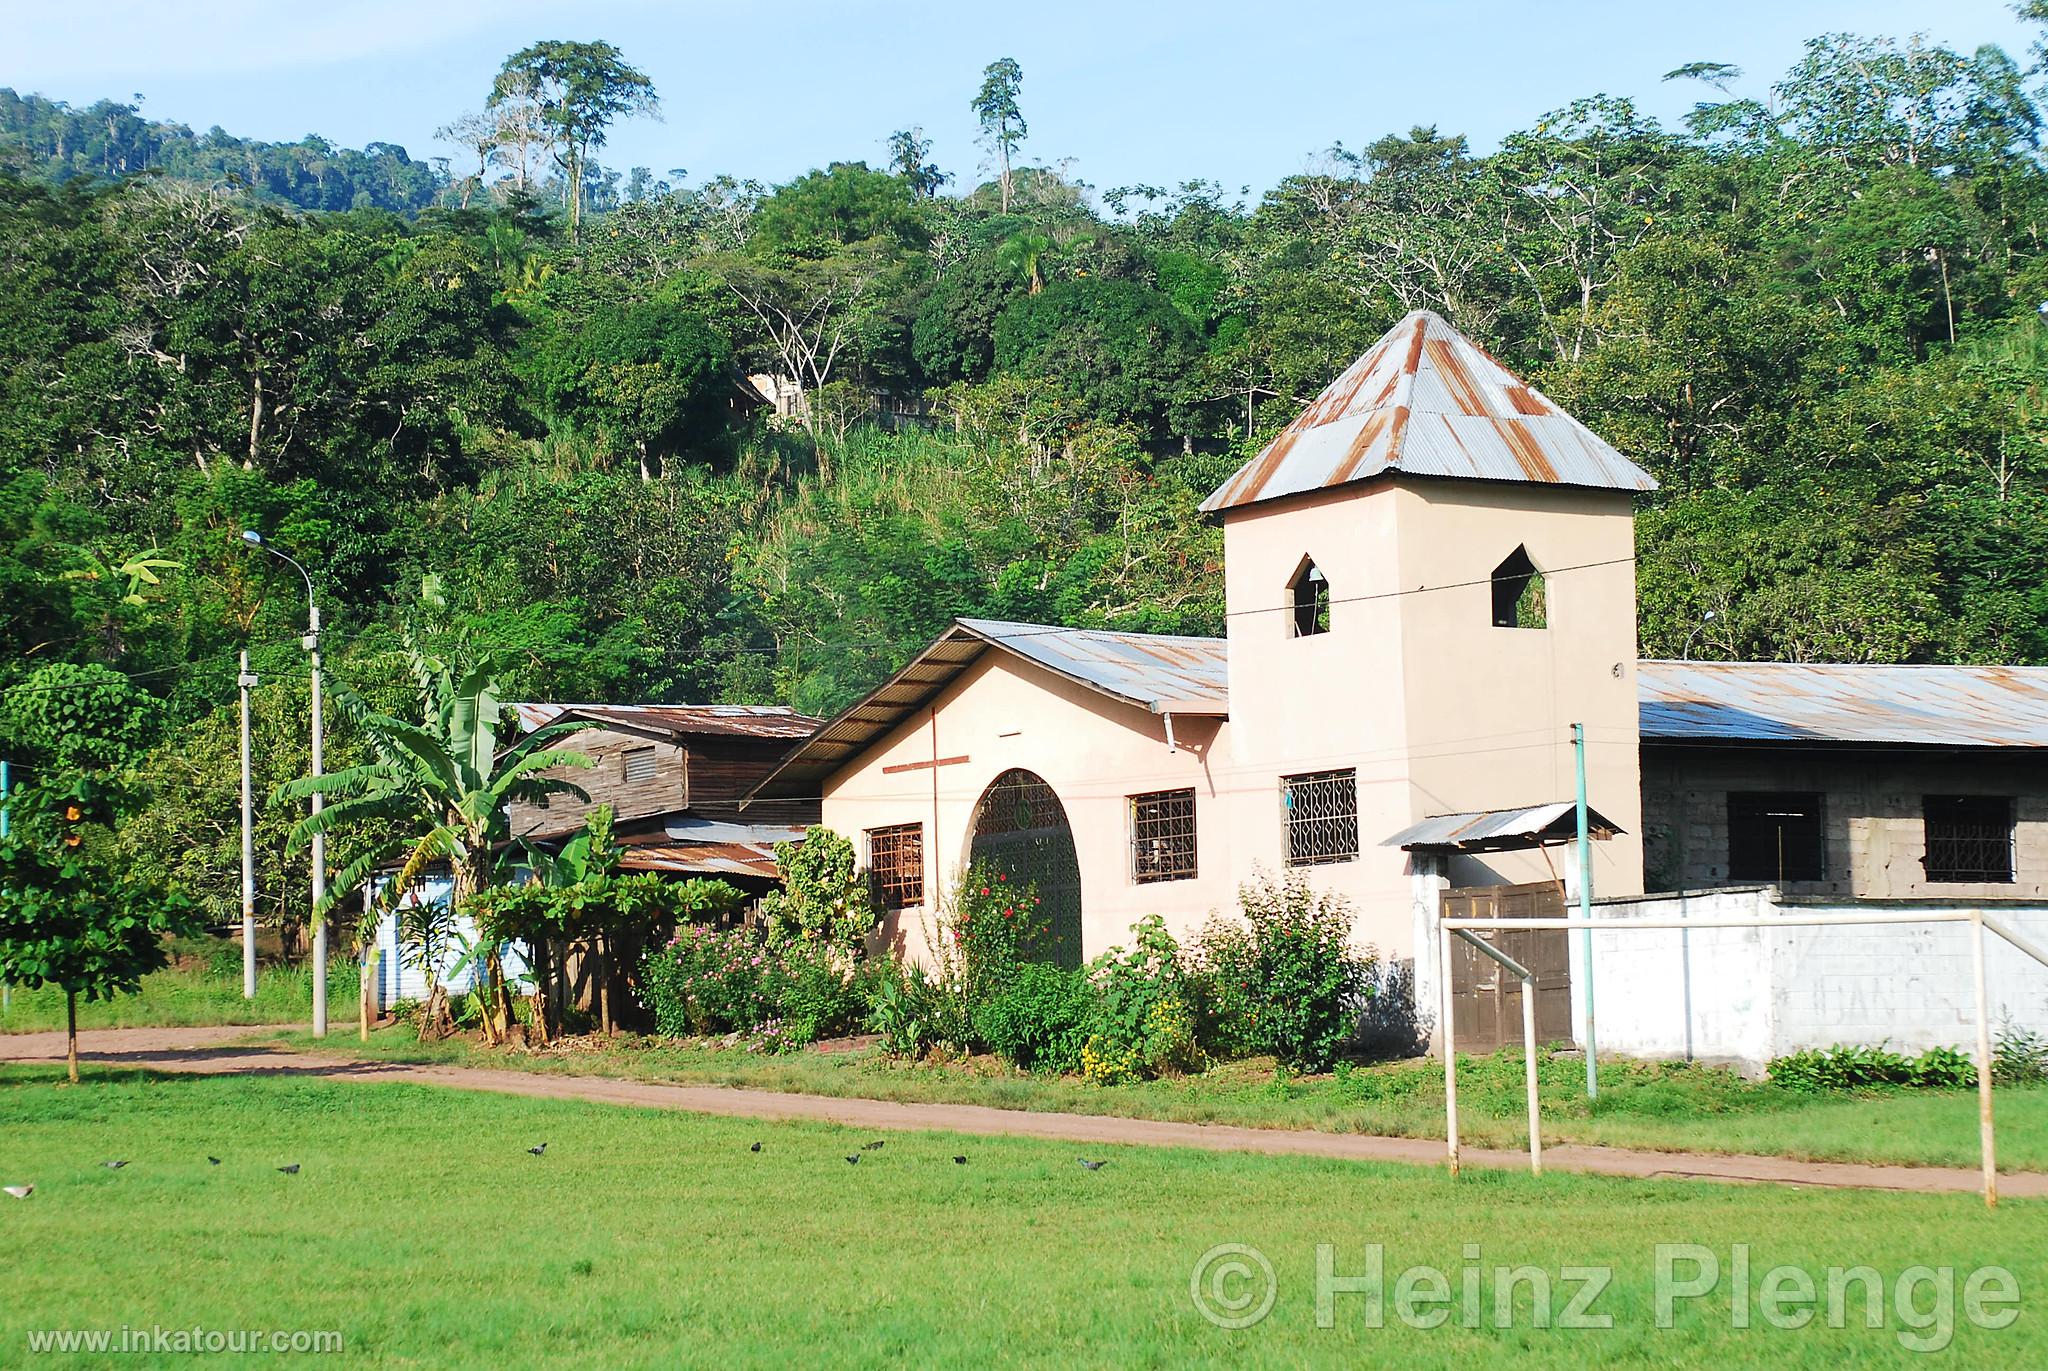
(1024, 254)
(435, 792)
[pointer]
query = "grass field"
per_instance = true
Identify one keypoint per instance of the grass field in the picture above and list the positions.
(189, 998)
(423, 1232)
(1669, 1108)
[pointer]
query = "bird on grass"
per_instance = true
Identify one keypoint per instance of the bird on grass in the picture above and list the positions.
(113, 1166)
(1092, 1166)
(540, 1151)
(871, 1147)
(755, 1148)
(213, 1161)
(291, 1170)
(959, 1161)
(20, 1192)
(853, 1159)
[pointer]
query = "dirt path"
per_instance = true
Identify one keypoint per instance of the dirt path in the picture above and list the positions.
(223, 1051)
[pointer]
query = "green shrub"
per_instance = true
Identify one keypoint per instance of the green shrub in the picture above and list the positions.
(1036, 1018)
(734, 981)
(1143, 1023)
(1287, 980)
(996, 927)
(1840, 1067)
(2019, 1056)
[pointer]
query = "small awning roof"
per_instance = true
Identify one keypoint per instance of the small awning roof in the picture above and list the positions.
(1501, 830)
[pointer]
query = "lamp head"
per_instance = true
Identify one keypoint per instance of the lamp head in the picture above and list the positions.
(252, 537)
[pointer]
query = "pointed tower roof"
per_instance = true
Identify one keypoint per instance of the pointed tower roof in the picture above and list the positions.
(1429, 401)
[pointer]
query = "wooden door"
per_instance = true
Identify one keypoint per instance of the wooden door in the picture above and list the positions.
(1486, 998)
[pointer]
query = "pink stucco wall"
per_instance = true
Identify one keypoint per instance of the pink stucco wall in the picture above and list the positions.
(1436, 709)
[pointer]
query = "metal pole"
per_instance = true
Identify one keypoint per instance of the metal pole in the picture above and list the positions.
(1984, 1138)
(1529, 1072)
(244, 681)
(319, 839)
(1586, 912)
(1443, 993)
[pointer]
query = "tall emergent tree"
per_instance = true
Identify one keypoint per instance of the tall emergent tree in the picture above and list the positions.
(1002, 121)
(434, 792)
(581, 90)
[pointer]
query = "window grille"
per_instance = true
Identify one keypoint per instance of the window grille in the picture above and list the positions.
(1319, 817)
(896, 865)
(1969, 838)
(1776, 836)
(1163, 836)
(1311, 591)
(640, 764)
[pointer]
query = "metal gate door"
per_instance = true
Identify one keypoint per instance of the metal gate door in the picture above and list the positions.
(1486, 1000)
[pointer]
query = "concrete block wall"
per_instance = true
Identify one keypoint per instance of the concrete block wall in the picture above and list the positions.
(1746, 995)
(1875, 825)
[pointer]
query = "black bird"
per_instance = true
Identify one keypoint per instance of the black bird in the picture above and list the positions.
(959, 1161)
(113, 1166)
(871, 1147)
(291, 1170)
(755, 1148)
(1092, 1166)
(538, 1151)
(853, 1160)
(213, 1161)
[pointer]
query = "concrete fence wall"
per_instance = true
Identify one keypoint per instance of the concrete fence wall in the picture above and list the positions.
(1746, 995)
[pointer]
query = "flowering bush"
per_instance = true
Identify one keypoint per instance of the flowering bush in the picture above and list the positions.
(1286, 981)
(733, 980)
(1143, 1024)
(994, 924)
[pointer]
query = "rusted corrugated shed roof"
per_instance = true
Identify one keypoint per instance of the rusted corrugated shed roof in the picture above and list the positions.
(698, 721)
(702, 859)
(1429, 401)
(1942, 706)
(1501, 830)
(1154, 672)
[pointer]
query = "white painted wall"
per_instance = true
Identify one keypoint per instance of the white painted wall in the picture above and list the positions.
(398, 978)
(1746, 995)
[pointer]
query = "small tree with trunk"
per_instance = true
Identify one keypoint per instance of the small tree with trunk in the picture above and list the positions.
(66, 918)
(1002, 119)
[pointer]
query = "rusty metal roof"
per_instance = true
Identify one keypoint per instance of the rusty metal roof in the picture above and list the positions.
(1154, 672)
(696, 721)
(1428, 401)
(1501, 830)
(699, 845)
(1942, 706)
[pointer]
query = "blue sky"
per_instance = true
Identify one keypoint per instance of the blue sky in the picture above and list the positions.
(1130, 92)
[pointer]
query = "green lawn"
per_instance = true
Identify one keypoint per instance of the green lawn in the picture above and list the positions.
(1663, 1107)
(190, 998)
(422, 1231)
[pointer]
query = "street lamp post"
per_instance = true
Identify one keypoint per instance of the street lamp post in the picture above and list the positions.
(311, 642)
(244, 681)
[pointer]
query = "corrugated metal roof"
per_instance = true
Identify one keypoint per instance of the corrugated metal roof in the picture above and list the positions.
(1944, 706)
(735, 721)
(1155, 672)
(1429, 401)
(1499, 830)
(702, 859)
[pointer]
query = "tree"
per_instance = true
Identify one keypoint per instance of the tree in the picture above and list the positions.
(435, 791)
(66, 918)
(480, 133)
(581, 90)
(908, 149)
(645, 377)
(1002, 121)
(1119, 347)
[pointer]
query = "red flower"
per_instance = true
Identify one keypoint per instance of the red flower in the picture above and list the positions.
(1009, 913)
(984, 890)
(1001, 877)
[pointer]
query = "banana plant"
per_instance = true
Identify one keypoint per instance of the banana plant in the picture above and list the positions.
(435, 792)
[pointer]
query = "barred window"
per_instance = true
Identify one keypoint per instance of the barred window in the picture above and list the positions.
(1969, 838)
(639, 764)
(1776, 836)
(896, 865)
(1319, 817)
(1163, 836)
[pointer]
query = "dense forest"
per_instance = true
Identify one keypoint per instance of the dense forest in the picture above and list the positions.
(507, 402)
